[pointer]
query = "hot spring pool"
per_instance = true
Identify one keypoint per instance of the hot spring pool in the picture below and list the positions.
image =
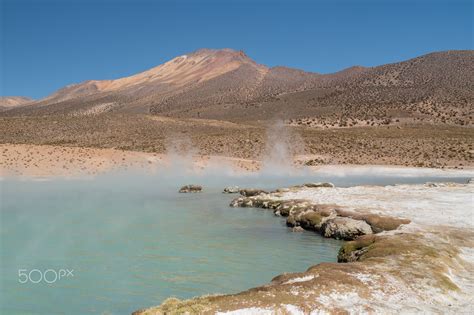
(131, 241)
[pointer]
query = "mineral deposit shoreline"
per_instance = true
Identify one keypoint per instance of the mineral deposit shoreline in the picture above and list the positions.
(409, 249)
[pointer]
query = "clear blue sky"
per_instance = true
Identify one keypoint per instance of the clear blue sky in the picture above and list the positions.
(48, 44)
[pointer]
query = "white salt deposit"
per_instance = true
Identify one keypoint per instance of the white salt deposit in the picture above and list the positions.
(248, 311)
(293, 310)
(399, 171)
(450, 204)
(300, 279)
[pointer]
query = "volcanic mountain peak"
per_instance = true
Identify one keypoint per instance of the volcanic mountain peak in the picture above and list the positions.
(225, 53)
(198, 66)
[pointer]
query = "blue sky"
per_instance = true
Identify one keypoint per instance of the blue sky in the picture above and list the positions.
(48, 44)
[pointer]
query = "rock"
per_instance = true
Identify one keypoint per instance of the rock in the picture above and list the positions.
(231, 190)
(190, 189)
(310, 216)
(252, 192)
(345, 228)
(383, 223)
(432, 185)
(378, 223)
(291, 221)
(256, 202)
(297, 229)
(237, 202)
(242, 202)
(311, 220)
(353, 250)
(266, 203)
(286, 207)
(319, 185)
(282, 190)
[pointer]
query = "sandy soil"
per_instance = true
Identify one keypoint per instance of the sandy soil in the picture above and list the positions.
(45, 160)
(49, 161)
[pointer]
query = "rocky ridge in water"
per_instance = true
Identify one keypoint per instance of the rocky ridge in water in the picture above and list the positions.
(328, 220)
(190, 189)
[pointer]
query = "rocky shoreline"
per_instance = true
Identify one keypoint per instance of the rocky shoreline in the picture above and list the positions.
(409, 248)
(327, 220)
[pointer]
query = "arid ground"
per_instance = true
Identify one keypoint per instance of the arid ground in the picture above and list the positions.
(421, 145)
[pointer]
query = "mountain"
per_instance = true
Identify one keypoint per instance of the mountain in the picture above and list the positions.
(197, 67)
(228, 85)
(8, 102)
(205, 77)
(437, 87)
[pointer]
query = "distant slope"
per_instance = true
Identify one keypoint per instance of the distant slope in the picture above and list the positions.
(8, 102)
(228, 85)
(438, 87)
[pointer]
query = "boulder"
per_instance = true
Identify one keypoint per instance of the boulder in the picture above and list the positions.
(378, 223)
(231, 190)
(383, 223)
(256, 202)
(319, 185)
(286, 207)
(252, 192)
(242, 202)
(353, 250)
(297, 229)
(237, 202)
(345, 228)
(190, 189)
(266, 203)
(311, 218)
(290, 221)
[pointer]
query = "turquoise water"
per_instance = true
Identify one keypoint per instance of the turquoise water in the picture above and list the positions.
(131, 241)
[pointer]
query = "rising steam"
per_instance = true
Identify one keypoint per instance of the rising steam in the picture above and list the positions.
(281, 145)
